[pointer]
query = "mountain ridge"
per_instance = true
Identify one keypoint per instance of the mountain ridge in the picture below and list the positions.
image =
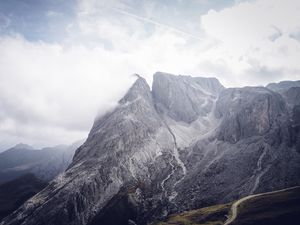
(44, 163)
(179, 146)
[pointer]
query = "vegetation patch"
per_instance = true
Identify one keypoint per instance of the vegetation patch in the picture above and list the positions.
(212, 215)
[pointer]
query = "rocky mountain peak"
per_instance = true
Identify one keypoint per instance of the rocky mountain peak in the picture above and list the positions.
(187, 143)
(184, 98)
(139, 89)
(209, 85)
(249, 111)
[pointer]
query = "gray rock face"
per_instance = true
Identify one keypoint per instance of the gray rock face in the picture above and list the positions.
(290, 90)
(187, 143)
(292, 97)
(283, 85)
(249, 111)
(184, 98)
(250, 152)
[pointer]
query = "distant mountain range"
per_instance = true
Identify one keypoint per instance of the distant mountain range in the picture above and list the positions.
(45, 163)
(187, 143)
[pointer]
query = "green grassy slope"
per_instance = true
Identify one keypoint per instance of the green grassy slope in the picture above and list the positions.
(281, 208)
(213, 215)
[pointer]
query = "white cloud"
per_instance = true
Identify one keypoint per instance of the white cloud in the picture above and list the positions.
(45, 87)
(258, 32)
(50, 93)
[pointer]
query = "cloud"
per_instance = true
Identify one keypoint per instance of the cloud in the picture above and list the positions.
(50, 93)
(48, 89)
(259, 31)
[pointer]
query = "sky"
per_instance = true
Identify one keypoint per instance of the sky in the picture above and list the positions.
(62, 62)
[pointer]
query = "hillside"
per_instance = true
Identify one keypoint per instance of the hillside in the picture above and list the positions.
(212, 215)
(276, 208)
(14, 193)
(271, 208)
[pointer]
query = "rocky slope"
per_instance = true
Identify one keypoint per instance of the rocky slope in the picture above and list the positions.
(283, 85)
(187, 143)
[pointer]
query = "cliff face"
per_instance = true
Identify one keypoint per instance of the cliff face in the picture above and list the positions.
(184, 98)
(250, 111)
(187, 143)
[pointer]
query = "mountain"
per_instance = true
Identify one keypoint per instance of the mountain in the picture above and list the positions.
(184, 144)
(283, 85)
(292, 97)
(271, 208)
(45, 164)
(14, 193)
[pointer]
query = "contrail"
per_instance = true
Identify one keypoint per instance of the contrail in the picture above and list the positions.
(155, 23)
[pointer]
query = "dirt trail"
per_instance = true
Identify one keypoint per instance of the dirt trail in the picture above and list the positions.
(234, 211)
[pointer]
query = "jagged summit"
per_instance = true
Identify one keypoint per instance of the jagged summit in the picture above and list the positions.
(184, 98)
(210, 84)
(140, 88)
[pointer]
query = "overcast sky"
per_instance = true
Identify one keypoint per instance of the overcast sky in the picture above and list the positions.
(62, 62)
